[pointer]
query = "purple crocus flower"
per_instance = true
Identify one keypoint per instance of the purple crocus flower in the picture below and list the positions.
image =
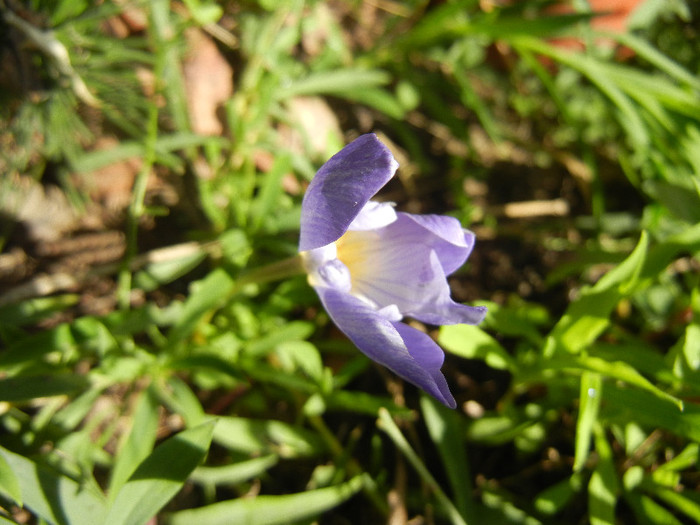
(371, 265)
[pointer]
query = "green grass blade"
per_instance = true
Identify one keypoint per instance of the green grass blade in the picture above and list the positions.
(234, 473)
(447, 431)
(645, 50)
(386, 423)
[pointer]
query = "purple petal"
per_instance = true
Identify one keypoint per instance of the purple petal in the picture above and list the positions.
(407, 352)
(451, 242)
(341, 188)
(400, 265)
(374, 215)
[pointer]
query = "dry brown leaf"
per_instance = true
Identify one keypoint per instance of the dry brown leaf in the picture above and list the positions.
(208, 82)
(317, 125)
(44, 211)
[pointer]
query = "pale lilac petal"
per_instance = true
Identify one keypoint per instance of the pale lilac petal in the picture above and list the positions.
(374, 215)
(451, 242)
(431, 357)
(407, 352)
(398, 265)
(437, 307)
(341, 188)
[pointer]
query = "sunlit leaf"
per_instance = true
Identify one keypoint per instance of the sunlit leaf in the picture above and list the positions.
(160, 476)
(54, 497)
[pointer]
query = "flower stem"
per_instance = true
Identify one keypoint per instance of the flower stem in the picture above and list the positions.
(272, 272)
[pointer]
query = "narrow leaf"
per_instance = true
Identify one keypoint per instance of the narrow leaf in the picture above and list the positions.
(137, 443)
(160, 476)
(590, 396)
(446, 429)
(25, 388)
(9, 485)
(54, 497)
(271, 510)
(603, 486)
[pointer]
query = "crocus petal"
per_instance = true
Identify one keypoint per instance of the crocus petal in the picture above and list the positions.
(407, 352)
(400, 265)
(374, 215)
(341, 188)
(451, 242)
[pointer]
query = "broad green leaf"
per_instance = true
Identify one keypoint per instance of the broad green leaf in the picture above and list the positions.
(271, 510)
(9, 485)
(54, 497)
(591, 393)
(266, 437)
(302, 356)
(160, 476)
(137, 443)
(24, 388)
(471, 342)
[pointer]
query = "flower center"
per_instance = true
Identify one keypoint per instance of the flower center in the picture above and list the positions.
(357, 250)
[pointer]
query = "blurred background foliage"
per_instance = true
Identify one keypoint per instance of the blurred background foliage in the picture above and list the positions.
(154, 156)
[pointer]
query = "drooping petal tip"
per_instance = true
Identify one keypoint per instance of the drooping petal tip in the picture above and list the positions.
(409, 353)
(341, 188)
